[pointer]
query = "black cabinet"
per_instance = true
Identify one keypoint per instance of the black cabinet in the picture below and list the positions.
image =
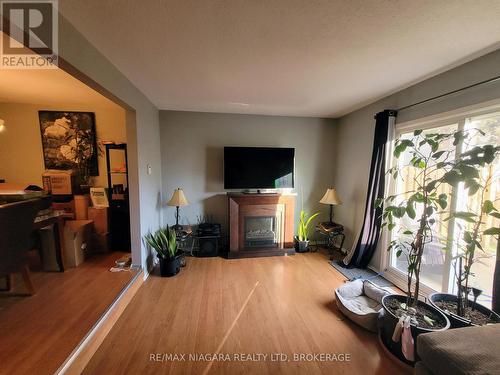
(119, 209)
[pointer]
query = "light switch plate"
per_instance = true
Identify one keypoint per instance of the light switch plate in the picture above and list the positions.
(150, 170)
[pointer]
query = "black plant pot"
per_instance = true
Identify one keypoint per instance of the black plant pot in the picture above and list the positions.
(389, 323)
(456, 320)
(301, 246)
(169, 267)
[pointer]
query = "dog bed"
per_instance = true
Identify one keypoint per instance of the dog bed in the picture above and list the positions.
(361, 302)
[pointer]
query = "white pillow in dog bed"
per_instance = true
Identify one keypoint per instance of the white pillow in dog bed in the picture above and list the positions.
(351, 289)
(374, 291)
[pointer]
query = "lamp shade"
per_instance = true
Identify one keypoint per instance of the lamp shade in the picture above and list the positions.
(330, 197)
(2, 125)
(178, 199)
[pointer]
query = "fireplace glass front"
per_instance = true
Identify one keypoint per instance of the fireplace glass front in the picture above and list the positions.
(261, 231)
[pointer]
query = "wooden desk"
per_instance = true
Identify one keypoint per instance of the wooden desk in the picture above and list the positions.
(57, 219)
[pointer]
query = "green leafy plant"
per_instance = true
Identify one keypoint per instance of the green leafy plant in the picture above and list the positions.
(163, 241)
(414, 210)
(304, 222)
(436, 165)
(466, 169)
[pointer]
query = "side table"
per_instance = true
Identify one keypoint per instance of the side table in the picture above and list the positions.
(184, 242)
(333, 233)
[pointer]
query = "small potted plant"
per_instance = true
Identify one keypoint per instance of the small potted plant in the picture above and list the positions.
(164, 242)
(302, 237)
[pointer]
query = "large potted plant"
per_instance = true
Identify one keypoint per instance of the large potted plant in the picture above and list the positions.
(164, 242)
(302, 237)
(474, 169)
(412, 214)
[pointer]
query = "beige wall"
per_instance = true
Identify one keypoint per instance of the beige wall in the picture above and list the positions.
(192, 156)
(355, 132)
(21, 146)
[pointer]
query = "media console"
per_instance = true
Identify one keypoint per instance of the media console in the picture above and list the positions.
(260, 224)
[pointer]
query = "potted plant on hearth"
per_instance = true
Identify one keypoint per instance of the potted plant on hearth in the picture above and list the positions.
(164, 242)
(473, 168)
(412, 213)
(302, 237)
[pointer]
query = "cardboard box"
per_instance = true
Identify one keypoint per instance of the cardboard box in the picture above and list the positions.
(67, 207)
(77, 241)
(81, 207)
(101, 242)
(58, 182)
(100, 218)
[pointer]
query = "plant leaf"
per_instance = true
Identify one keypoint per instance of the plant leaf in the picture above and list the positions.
(493, 231)
(463, 215)
(488, 206)
(428, 320)
(410, 210)
(438, 154)
(495, 214)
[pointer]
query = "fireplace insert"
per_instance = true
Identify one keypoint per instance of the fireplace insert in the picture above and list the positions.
(261, 231)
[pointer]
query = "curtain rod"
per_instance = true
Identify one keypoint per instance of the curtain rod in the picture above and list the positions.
(497, 78)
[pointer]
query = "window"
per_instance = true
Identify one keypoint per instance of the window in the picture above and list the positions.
(434, 258)
(437, 272)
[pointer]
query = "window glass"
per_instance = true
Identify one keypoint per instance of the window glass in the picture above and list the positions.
(438, 270)
(433, 260)
(484, 266)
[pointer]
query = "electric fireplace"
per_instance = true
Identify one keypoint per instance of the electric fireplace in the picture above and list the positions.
(260, 224)
(261, 231)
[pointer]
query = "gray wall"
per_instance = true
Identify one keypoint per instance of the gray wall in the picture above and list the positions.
(143, 136)
(355, 130)
(192, 156)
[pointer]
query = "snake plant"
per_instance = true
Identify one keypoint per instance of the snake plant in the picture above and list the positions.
(163, 241)
(304, 222)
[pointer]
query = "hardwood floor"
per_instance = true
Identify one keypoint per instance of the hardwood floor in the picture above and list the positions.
(40, 331)
(249, 306)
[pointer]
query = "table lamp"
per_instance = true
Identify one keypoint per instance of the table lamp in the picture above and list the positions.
(331, 198)
(178, 199)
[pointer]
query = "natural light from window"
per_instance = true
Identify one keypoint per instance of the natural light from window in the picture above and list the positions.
(437, 270)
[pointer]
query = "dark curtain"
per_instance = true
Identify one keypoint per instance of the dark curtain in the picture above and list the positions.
(496, 282)
(370, 230)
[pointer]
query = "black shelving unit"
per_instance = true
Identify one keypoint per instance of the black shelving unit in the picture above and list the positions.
(119, 211)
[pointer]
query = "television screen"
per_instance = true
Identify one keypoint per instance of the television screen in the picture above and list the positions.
(258, 167)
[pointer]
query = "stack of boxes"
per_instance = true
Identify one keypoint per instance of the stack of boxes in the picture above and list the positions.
(99, 215)
(87, 230)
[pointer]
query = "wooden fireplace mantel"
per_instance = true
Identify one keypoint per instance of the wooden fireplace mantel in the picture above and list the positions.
(242, 206)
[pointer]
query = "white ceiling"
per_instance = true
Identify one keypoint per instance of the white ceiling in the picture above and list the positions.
(283, 57)
(48, 87)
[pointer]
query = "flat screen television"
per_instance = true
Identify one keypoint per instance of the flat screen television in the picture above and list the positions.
(258, 167)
